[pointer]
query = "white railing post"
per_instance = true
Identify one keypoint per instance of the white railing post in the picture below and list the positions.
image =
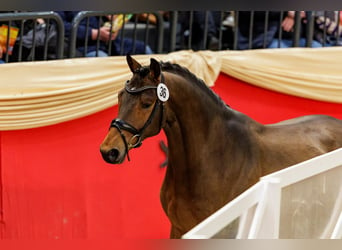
(337, 233)
(259, 207)
(266, 219)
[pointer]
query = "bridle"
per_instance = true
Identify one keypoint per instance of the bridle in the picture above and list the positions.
(137, 133)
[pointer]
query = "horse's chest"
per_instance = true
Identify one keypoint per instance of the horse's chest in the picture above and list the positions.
(187, 204)
(185, 212)
(182, 214)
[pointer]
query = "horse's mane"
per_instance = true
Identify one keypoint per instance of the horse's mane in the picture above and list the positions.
(184, 72)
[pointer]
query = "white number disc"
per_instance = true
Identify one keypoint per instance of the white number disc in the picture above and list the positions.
(163, 92)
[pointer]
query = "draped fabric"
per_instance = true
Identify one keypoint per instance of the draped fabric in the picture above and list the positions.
(305, 72)
(35, 94)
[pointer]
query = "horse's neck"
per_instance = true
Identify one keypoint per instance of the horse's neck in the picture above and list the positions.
(194, 120)
(191, 109)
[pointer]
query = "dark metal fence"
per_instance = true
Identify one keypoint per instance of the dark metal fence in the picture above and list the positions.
(257, 29)
(151, 34)
(21, 20)
(179, 30)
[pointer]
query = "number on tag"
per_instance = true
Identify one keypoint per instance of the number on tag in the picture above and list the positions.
(163, 92)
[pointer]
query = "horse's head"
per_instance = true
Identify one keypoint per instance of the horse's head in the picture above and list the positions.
(140, 111)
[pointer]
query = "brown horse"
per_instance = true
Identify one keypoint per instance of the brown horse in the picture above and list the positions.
(215, 152)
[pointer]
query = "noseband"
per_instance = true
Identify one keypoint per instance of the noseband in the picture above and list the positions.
(137, 133)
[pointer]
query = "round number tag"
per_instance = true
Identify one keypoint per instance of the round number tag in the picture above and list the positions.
(163, 92)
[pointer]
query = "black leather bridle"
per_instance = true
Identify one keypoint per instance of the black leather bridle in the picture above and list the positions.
(137, 133)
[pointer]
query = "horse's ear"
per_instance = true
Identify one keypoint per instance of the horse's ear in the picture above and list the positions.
(155, 68)
(132, 63)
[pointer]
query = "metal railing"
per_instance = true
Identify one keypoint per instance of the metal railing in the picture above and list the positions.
(23, 17)
(134, 30)
(181, 30)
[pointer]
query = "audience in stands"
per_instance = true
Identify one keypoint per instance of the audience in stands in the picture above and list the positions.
(327, 28)
(23, 49)
(87, 43)
(196, 30)
(279, 32)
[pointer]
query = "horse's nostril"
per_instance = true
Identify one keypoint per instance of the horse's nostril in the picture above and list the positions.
(111, 156)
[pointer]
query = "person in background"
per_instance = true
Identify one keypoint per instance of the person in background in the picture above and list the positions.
(327, 29)
(23, 50)
(276, 25)
(1, 55)
(105, 36)
(197, 28)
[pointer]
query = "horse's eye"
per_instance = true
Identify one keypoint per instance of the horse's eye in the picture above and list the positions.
(146, 105)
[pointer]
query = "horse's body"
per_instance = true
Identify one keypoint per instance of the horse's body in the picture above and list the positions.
(215, 152)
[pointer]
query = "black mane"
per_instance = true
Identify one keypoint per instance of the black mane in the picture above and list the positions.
(184, 72)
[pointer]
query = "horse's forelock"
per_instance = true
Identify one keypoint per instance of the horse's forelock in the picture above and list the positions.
(143, 71)
(139, 75)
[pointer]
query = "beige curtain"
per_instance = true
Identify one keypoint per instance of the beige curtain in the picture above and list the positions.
(305, 72)
(35, 94)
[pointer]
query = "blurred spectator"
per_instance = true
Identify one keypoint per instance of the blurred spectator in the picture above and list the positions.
(278, 23)
(7, 49)
(151, 18)
(1, 61)
(196, 29)
(327, 28)
(98, 31)
(25, 49)
(37, 35)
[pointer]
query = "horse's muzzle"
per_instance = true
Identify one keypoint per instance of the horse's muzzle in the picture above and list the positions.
(112, 156)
